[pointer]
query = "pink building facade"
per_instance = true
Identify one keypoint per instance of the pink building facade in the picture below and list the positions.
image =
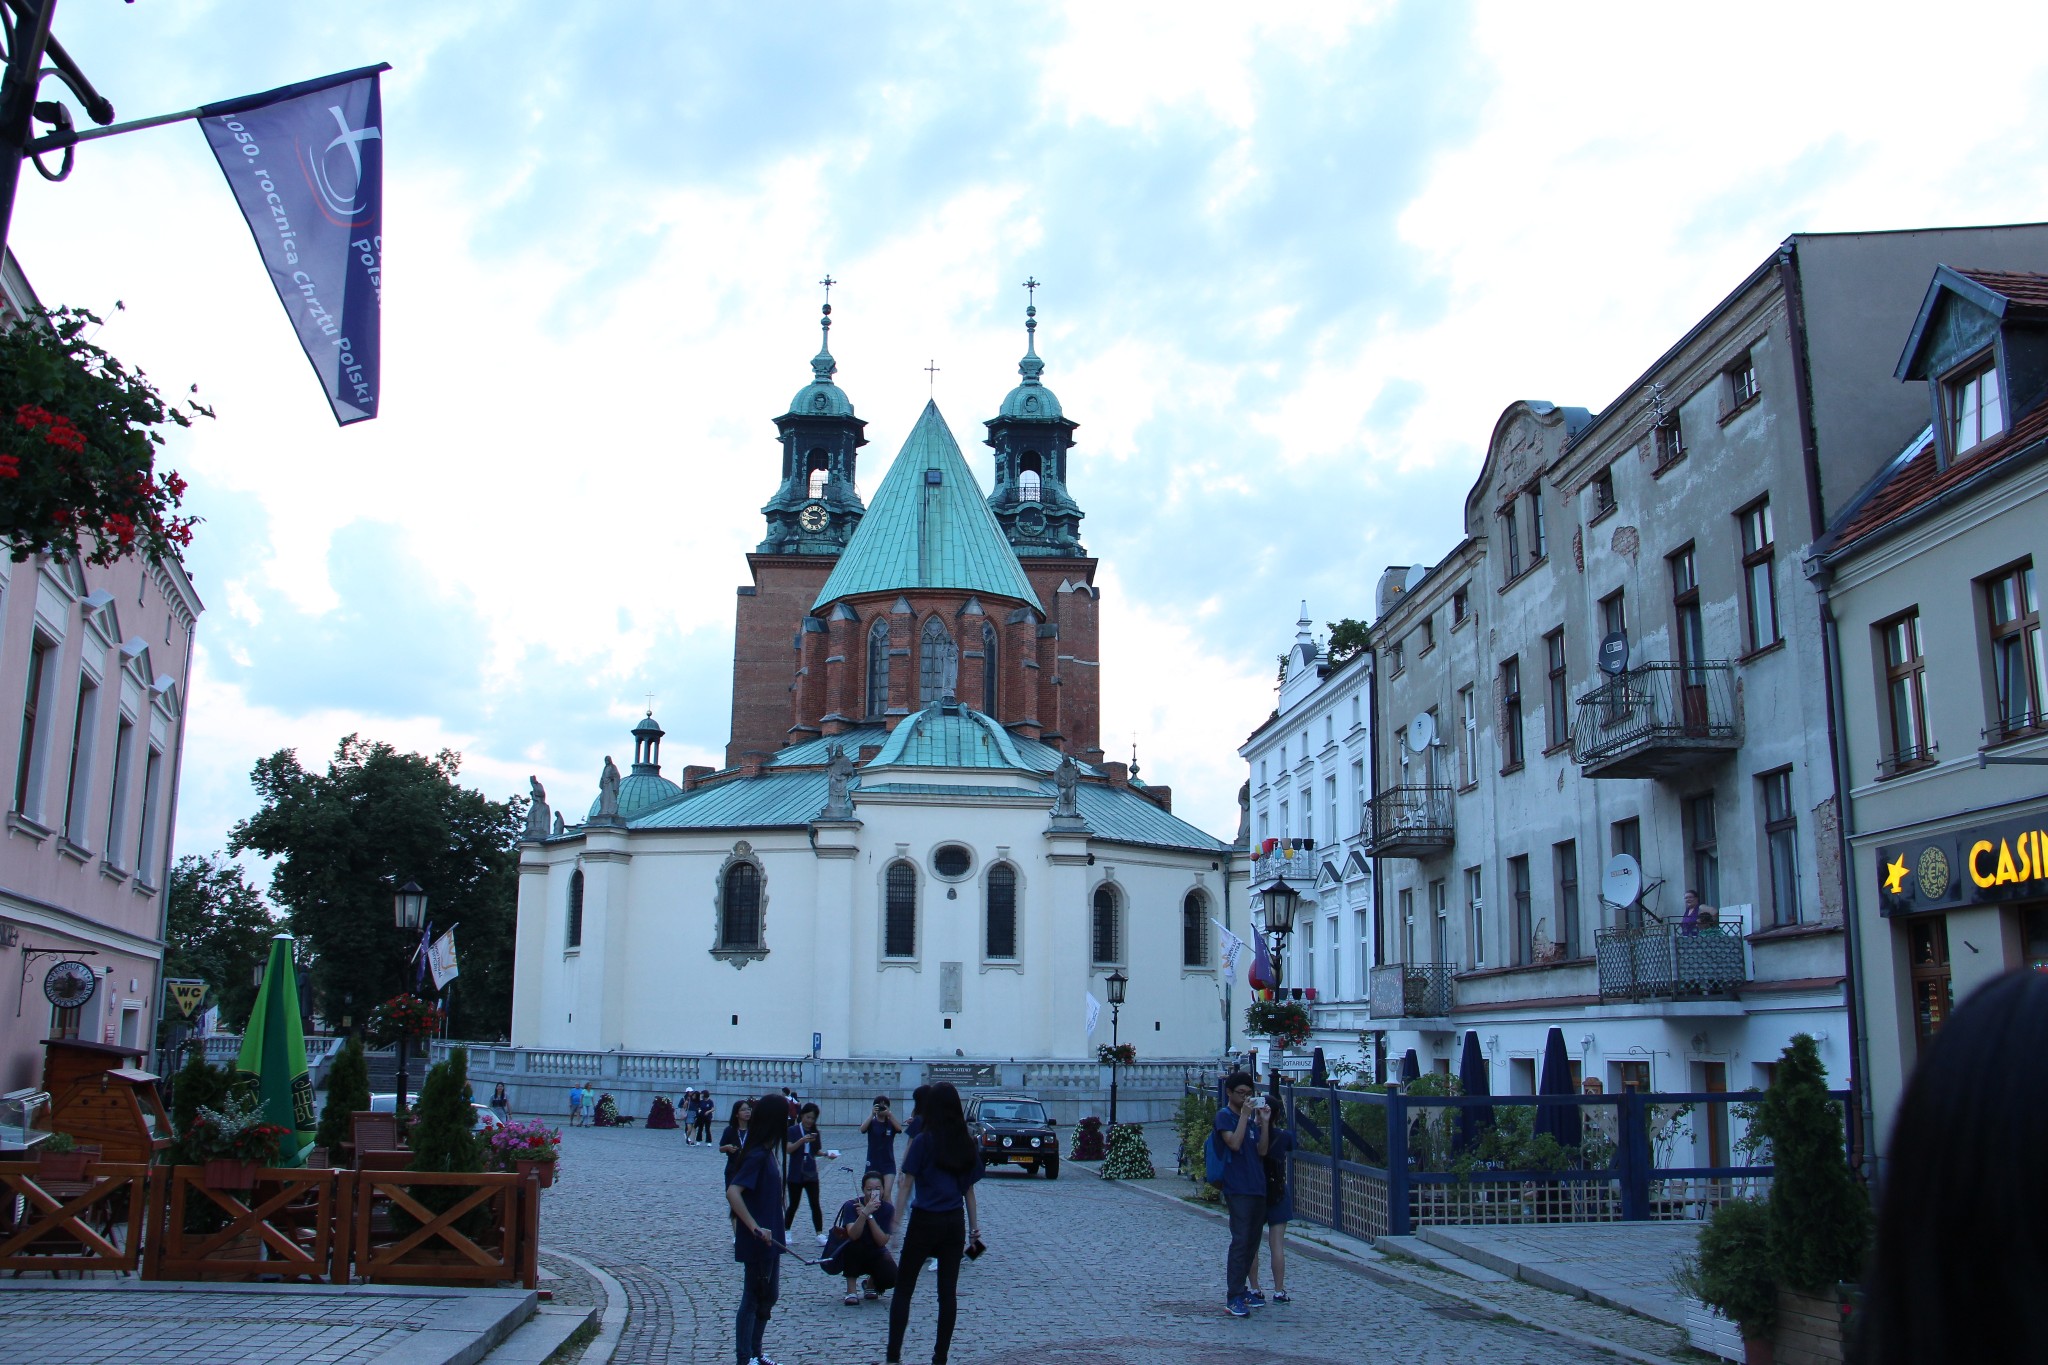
(94, 665)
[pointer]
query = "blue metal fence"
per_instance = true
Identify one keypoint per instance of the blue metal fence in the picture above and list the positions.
(1370, 1163)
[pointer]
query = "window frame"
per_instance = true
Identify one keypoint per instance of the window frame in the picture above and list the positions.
(1539, 530)
(878, 668)
(2014, 646)
(1668, 437)
(1953, 387)
(1461, 605)
(1514, 749)
(1604, 500)
(1759, 566)
(1475, 915)
(931, 670)
(1119, 944)
(1511, 540)
(1558, 728)
(991, 677)
(1522, 899)
(77, 821)
(913, 926)
(572, 928)
(1905, 679)
(1703, 846)
(1564, 861)
(1744, 386)
(1468, 746)
(997, 870)
(728, 943)
(32, 759)
(1688, 623)
(1781, 844)
(1194, 932)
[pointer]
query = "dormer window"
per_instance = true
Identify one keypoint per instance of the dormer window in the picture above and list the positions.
(1976, 405)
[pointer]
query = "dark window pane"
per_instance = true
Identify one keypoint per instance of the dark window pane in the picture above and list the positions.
(1002, 911)
(899, 927)
(740, 909)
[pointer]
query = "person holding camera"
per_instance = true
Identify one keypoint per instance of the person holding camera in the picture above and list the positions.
(940, 1167)
(881, 1127)
(1243, 1138)
(803, 1146)
(860, 1241)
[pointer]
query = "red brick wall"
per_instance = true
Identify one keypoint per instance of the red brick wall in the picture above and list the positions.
(763, 664)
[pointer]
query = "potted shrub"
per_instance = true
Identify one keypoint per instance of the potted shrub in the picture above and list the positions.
(58, 1158)
(524, 1146)
(1088, 1140)
(232, 1141)
(1732, 1273)
(445, 1139)
(348, 1092)
(1819, 1215)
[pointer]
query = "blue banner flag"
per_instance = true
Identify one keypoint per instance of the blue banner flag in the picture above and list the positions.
(306, 163)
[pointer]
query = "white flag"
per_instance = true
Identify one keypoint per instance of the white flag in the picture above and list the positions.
(441, 959)
(1094, 1012)
(1232, 946)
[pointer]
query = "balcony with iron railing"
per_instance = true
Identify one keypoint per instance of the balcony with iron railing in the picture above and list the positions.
(1408, 822)
(1656, 720)
(1670, 960)
(1411, 990)
(1294, 860)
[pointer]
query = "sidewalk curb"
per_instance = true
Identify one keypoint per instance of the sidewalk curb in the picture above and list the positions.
(1376, 1263)
(611, 1326)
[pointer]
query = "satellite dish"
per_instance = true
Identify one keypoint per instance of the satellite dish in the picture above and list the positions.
(1622, 882)
(1416, 573)
(1420, 732)
(1614, 654)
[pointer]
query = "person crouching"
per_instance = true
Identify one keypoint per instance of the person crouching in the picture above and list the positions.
(859, 1241)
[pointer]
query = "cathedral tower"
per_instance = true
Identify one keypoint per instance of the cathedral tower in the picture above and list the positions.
(1031, 438)
(818, 504)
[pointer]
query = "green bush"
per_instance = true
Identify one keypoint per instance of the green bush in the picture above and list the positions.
(1193, 1120)
(445, 1139)
(1732, 1269)
(1127, 1158)
(198, 1085)
(348, 1091)
(1819, 1215)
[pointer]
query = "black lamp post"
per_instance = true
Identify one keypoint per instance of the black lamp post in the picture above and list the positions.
(409, 909)
(1117, 984)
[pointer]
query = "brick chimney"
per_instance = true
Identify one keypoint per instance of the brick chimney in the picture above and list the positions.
(753, 761)
(1162, 797)
(1119, 775)
(868, 751)
(694, 775)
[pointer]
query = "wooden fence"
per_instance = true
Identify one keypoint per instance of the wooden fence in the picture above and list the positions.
(298, 1224)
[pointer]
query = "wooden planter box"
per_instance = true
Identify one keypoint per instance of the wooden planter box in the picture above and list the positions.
(63, 1165)
(231, 1175)
(1809, 1330)
(544, 1169)
(1706, 1330)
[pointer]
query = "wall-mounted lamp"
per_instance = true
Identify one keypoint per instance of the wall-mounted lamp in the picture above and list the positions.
(9, 936)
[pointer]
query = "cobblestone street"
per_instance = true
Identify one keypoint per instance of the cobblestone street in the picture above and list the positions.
(1079, 1271)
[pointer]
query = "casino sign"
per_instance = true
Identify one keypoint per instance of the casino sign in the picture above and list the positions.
(1983, 865)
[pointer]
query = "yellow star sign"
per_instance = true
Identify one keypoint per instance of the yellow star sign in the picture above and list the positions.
(1895, 875)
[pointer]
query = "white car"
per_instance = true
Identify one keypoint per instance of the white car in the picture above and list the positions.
(486, 1117)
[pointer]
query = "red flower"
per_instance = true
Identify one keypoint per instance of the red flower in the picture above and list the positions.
(10, 468)
(30, 416)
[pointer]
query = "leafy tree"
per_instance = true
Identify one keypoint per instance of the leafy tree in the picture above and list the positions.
(346, 838)
(348, 1091)
(220, 931)
(1348, 640)
(1820, 1217)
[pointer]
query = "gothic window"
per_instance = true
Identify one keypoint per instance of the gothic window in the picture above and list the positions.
(1194, 930)
(739, 910)
(576, 908)
(819, 472)
(1107, 935)
(878, 666)
(931, 662)
(899, 912)
(1000, 939)
(989, 677)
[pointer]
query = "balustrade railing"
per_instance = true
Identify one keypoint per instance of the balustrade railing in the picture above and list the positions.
(1411, 990)
(1656, 719)
(1670, 959)
(1409, 822)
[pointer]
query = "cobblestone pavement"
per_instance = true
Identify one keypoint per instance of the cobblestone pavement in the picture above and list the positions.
(1079, 1272)
(189, 1324)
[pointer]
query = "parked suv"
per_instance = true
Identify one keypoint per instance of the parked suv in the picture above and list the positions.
(1013, 1129)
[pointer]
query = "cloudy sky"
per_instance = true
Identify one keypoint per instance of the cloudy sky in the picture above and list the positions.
(1294, 267)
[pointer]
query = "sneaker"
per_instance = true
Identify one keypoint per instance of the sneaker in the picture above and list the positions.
(1255, 1299)
(823, 1238)
(851, 1300)
(1238, 1308)
(1282, 1296)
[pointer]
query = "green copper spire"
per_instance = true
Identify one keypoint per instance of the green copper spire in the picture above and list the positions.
(821, 397)
(928, 528)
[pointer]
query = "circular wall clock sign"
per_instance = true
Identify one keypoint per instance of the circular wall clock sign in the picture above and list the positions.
(812, 518)
(70, 984)
(1031, 521)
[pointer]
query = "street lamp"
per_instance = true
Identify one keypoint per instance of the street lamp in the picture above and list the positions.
(409, 910)
(1117, 984)
(1279, 903)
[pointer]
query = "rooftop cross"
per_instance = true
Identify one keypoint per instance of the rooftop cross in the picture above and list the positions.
(825, 318)
(931, 374)
(1031, 289)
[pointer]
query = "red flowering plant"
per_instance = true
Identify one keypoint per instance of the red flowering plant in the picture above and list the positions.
(404, 1016)
(79, 433)
(523, 1140)
(1285, 1022)
(236, 1131)
(1119, 1054)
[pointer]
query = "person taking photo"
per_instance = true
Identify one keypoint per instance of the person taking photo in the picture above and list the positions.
(1243, 1139)
(859, 1242)
(803, 1146)
(940, 1168)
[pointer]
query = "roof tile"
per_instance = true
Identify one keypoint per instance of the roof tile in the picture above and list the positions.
(1917, 481)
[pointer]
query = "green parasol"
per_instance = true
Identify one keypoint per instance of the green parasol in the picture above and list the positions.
(274, 1053)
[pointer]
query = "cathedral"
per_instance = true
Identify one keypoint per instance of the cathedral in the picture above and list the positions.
(916, 846)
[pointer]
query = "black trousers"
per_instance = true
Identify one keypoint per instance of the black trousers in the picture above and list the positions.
(797, 1190)
(866, 1258)
(1247, 1224)
(941, 1237)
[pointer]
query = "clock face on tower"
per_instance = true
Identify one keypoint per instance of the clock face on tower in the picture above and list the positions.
(812, 518)
(1031, 521)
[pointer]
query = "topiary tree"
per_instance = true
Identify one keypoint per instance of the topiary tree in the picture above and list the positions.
(1732, 1269)
(1819, 1215)
(1128, 1157)
(348, 1090)
(445, 1139)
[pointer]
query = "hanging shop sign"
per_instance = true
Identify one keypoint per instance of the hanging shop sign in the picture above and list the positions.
(2004, 860)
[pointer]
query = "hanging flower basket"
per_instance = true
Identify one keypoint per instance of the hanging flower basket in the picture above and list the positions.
(1120, 1054)
(405, 1016)
(1284, 1021)
(544, 1169)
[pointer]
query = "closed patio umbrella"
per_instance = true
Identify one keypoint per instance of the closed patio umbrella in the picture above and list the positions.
(1561, 1121)
(1474, 1120)
(1411, 1067)
(1318, 1074)
(274, 1052)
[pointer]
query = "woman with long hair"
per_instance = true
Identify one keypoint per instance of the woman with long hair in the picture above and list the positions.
(735, 1136)
(940, 1169)
(1961, 1252)
(754, 1193)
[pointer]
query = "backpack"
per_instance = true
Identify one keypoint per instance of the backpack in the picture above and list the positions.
(1212, 1160)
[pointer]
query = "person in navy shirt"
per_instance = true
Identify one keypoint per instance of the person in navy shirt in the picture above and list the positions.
(1279, 1209)
(803, 1146)
(754, 1193)
(861, 1244)
(881, 1128)
(940, 1168)
(1243, 1139)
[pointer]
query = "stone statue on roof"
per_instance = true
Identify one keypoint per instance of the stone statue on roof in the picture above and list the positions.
(949, 670)
(608, 789)
(537, 813)
(561, 827)
(1067, 779)
(839, 785)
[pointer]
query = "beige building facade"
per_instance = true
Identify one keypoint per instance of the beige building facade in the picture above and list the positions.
(1933, 594)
